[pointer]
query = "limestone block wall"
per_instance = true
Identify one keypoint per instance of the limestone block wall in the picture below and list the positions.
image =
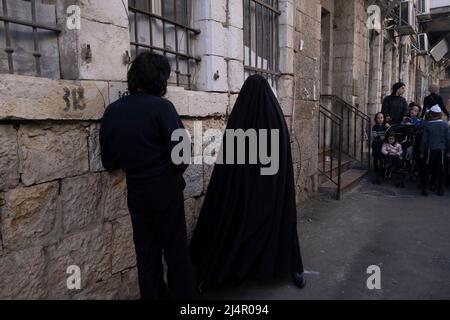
(57, 205)
(362, 57)
(307, 37)
(343, 53)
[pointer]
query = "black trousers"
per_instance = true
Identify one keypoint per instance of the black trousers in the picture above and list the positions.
(377, 156)
(159, 228)
(434, 169)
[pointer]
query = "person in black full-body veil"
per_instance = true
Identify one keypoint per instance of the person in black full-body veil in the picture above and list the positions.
(247, 228)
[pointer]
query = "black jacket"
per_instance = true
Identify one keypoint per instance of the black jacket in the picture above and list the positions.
(435, 136)
(432, 100)
(395, 107)
(378, 133)
(135, 135)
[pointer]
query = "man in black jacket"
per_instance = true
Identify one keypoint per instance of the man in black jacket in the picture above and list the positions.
(136, 136)
(434, 147)
(434, 99)
(395, 106)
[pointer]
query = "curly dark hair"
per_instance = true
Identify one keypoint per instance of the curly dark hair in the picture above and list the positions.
(149, 73)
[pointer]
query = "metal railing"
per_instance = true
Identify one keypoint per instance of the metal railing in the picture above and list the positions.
(343, 130)
(261, 50)
(356, 129)
(170, 28)
(329, 122)
(8, 20)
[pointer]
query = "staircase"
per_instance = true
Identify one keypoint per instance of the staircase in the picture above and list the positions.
(344, 145)
(350, 174)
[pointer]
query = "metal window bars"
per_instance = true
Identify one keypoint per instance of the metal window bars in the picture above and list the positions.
(34, 24)
(261, 44)
(163, 26)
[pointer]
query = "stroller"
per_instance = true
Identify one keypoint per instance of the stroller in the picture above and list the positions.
(407, 136)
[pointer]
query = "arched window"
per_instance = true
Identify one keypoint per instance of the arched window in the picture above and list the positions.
(163, 26)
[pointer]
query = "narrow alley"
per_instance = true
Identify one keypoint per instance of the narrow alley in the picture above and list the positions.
(403, 233)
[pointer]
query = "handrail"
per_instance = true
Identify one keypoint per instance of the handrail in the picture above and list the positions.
(323, 109)
(345, 103)
(355, 131)
(337, 121)
(357, 128)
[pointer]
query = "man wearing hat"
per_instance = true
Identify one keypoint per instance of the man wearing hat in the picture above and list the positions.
(395, 106)
(434, 148)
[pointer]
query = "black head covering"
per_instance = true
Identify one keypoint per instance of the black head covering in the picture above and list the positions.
(247, 227)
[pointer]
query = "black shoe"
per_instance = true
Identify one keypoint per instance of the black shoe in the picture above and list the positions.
(299, 280)
(200, 288)
(425, 193)
(440, 193)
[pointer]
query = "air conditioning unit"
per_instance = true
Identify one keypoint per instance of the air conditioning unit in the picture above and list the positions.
(423, 9)
(440, 50)
(423, 44)
(407, 24)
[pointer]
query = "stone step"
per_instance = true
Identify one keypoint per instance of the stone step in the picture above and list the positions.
(350, 179)
(346, 164)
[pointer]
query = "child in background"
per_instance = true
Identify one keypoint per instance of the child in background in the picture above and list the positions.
(378, 132)
(392, 153)
(413, 118)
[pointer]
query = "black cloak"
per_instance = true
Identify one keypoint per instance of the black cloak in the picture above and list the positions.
(247, 228)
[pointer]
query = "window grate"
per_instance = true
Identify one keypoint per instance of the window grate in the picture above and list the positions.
(10, 22)
(261, 44)
(162, 26)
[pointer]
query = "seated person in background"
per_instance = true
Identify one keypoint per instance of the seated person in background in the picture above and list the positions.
(392, 153)
(412, 118)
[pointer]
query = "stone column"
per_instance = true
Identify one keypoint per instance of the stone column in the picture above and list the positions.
(375, 74)
(235, 58)
(211, 45)
(97, 50)
(285, 87)
(387, 69)
(307, 93)
(344, 55)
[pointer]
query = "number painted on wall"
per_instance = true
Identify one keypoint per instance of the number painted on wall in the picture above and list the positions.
(74, 99)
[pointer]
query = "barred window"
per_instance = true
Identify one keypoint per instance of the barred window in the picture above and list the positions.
(162, 26)
(29, 38)
(261, 38)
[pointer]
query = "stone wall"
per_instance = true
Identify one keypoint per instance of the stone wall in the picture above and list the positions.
(307, 93)
(57, 205)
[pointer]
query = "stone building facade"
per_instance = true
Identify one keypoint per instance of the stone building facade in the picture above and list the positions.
(59, 208)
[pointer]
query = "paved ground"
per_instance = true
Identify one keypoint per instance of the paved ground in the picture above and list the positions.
(407, 235)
